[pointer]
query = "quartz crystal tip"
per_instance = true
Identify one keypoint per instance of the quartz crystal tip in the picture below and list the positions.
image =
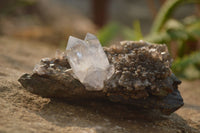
(89, 61)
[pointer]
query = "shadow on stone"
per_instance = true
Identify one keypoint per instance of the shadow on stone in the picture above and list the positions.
(105, 116)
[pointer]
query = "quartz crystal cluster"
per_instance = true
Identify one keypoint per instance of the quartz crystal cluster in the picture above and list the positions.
(89, 61)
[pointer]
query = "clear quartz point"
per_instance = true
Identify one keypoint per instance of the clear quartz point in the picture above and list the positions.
(89, 61)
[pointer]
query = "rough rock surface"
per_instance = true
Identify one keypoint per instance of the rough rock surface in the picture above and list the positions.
(142, 77)
(142, 67)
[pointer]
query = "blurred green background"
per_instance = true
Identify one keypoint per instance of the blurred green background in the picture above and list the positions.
(175, 23)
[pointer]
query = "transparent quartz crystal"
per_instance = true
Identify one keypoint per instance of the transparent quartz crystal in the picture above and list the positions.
(88, 61)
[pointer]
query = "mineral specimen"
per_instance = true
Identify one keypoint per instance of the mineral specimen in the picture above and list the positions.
(88, 61)
(142, 78)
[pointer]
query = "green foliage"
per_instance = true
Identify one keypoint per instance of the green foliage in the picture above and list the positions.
(188, 66)
(183, 35)
(107, 33)
(164, 13)
(128, 33)
(166, 30)
(137, 30)
(131, 34)
(193, 26)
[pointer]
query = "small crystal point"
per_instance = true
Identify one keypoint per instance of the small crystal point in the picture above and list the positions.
(73, 41)
(90, 36)
(88, 61)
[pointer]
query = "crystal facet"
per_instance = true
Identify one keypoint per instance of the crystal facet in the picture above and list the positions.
(89, 61)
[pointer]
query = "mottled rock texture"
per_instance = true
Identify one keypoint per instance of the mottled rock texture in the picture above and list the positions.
(142, 78)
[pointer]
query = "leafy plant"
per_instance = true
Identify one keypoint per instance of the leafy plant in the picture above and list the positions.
(165, 12)
(135, 33)
(188, 67)
(107, 33)
(183, 36)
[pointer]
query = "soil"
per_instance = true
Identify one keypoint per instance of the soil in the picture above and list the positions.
(22, 111)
